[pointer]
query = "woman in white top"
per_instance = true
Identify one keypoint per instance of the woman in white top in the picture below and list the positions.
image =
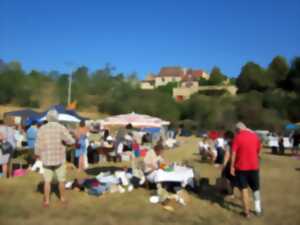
(206, 150)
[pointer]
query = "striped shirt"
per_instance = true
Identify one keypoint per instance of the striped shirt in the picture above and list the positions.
(49, 144)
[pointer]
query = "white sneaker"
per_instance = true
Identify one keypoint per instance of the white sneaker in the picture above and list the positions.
(130, 188)
(121, 190)
(182, 202)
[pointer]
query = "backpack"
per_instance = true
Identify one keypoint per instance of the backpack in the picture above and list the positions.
(6, 148)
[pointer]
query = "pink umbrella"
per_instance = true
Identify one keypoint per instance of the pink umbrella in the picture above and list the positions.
(137, 120)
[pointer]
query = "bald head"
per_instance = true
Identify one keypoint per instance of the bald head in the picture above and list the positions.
(52, 116)
(240, 126)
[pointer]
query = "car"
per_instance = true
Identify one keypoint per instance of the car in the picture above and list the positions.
(264, 136)
(273, 142)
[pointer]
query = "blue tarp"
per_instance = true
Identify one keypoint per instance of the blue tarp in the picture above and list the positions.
(292, 126)
(151, 130)
(27, 115)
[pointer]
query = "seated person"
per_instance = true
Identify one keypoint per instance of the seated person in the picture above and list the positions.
(106, 147)
(108, 143)
(203, 147)
(152, 162)
(206, 151)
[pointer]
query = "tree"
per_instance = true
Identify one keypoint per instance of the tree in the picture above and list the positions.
(154, 103)
(168, 88)
(252, 77)
(80, 85)
(62, 88)
(101, 81)
(278, 70)
(203, 82)
(14, 65)
(292, 82)
(209, 112)
(2, 65)
(216, 77)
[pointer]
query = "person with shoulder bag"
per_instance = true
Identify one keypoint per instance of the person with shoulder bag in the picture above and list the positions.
(6, 150)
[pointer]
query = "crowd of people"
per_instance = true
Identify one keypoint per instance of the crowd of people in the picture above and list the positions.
(47, 143)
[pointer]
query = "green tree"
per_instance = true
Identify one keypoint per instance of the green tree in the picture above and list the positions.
(203, 82)
(292, 82)
(168, 88)
(216, 77)
(80, 86)
(278, 70)
(62, 88)
(14, 66)
(252, 77)
(101, 81)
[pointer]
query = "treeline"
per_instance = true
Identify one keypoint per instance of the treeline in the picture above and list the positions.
(267, 97)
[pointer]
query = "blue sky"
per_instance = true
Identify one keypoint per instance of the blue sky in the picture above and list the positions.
(142, 36)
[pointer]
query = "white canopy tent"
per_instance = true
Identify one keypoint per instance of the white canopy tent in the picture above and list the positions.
(62, 117)
(136, 120)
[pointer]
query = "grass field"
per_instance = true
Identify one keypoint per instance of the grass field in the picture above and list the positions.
(280, 178)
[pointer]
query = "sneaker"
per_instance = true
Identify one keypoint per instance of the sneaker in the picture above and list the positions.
(121, 189)
(130, 188)
(258, 214)
(245, 215)
(181, 201)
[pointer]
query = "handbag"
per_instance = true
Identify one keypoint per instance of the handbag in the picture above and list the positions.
(6, 148)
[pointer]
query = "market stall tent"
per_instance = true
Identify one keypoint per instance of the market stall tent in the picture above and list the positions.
(136, 120)
(64, 115)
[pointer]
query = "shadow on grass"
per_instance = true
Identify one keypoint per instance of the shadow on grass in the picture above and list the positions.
(96, 170)
(54, 188)
(202, 161)
(278, 154)
(210, 193)
(297, 169)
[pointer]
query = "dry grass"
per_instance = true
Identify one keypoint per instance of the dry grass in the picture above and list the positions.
(20, 204)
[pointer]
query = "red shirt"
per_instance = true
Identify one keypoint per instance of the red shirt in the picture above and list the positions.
(246, 145)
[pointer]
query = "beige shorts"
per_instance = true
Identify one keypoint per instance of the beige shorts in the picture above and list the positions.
(58, 172)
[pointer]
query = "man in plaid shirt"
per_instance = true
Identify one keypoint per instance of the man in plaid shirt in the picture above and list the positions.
(50, 148)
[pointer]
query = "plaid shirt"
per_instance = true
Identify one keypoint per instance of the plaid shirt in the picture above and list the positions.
(49, 144)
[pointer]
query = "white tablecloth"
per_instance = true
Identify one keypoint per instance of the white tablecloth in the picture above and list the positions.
(180, 174)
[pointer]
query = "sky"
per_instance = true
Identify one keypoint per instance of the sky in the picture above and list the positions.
(142, 36)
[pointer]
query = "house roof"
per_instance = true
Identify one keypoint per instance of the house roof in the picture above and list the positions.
(171, 72)
(150, 77)
(197, 73)
(192, 74)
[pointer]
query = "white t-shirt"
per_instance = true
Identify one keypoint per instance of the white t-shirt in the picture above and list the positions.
(203, 145)
(220, 143)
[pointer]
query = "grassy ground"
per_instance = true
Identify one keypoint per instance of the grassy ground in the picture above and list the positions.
(280, 176)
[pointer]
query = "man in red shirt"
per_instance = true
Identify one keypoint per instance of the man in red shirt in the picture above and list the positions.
(245, 165)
